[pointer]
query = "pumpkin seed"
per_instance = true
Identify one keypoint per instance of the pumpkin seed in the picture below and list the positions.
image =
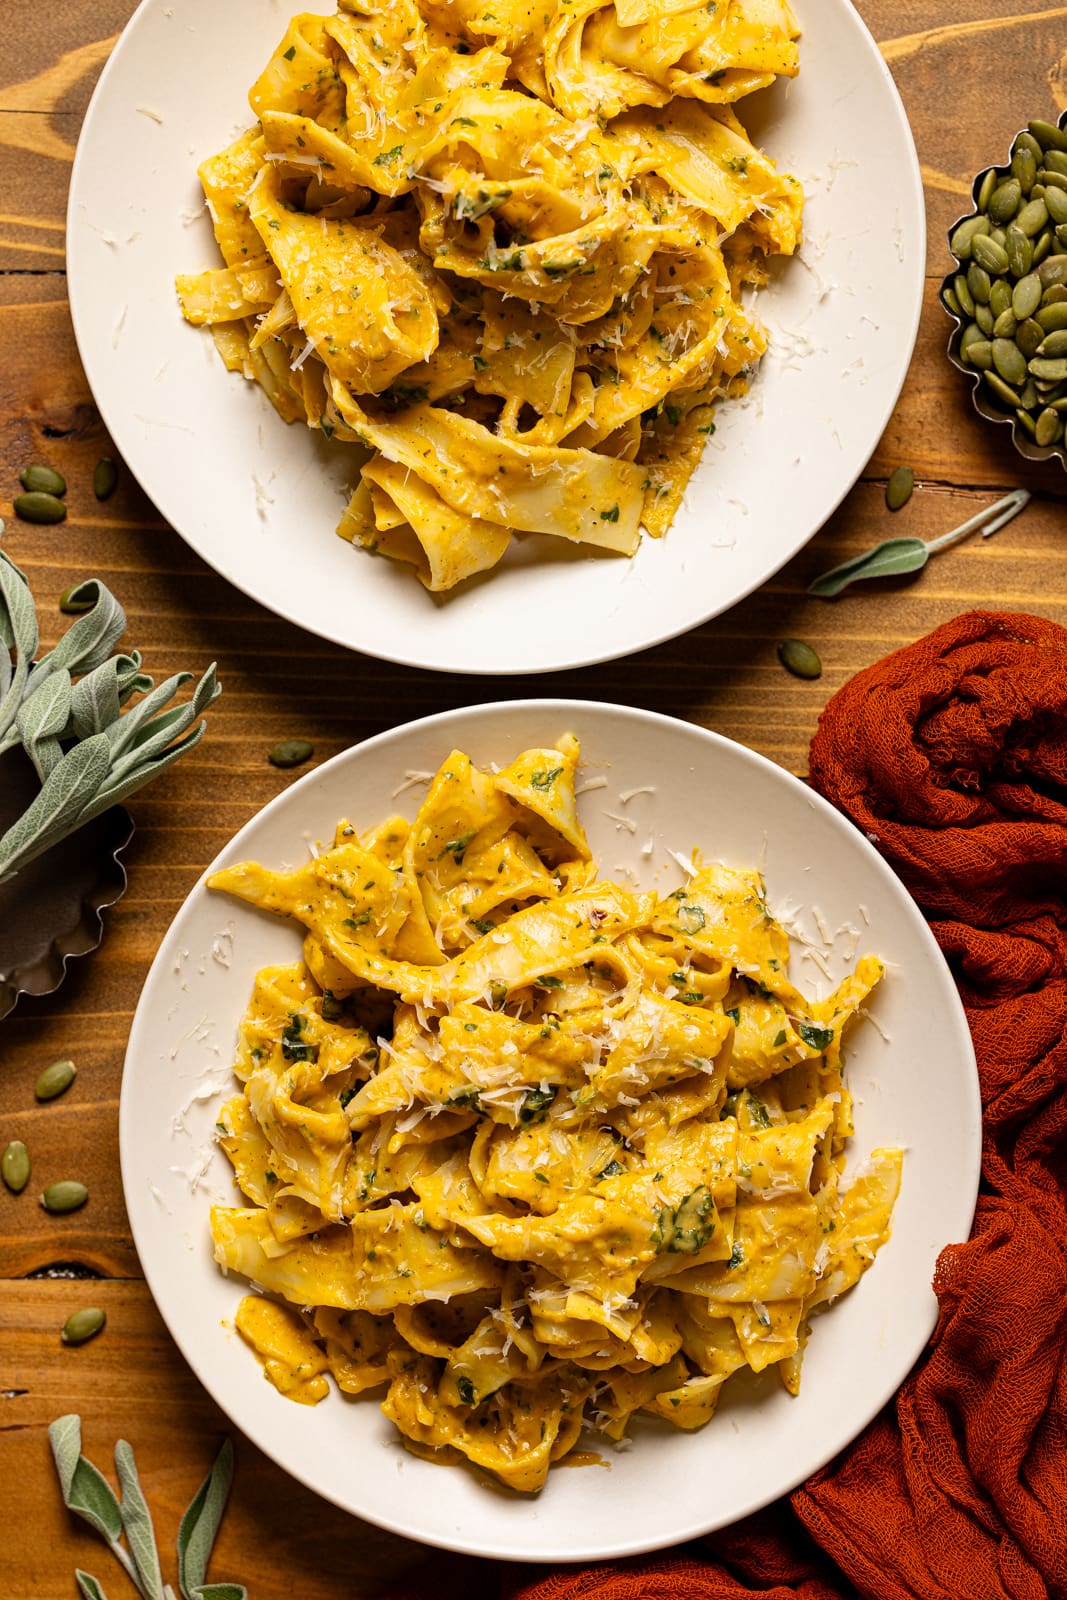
(15, 1166)
(1005, 201)
(1052, 270)
(1055, 203)
(972, 334)
(291, 753)
(43, 479)
(1061, 235)
(1009, 361)
(1026, 141)
(1028, 397)
(1026, 421)
(1024, 165)
(1026, 296)
(64, 1196)
(990, 255)
(1059, 405)
(898, 490)
(998, 387)
(1054, 344)
(1019, 252)
(1037, 192)
(1055, 370)
(985, 189)
(799, 659)
(963, 293)
(105, 477)
(1049, 427)
(1042, 246)
(1055, 296)
(81, 1326)
(1000, 297)
(1053, 180)
(1028, 336)
(69, 602)
(985, 319)
(55, 1080)
(1055, 161)
(948, 298)
(1051, 317)
(1032, 218)
(998, 236)
(39, 507)
(979, 283)
(1048, 136)
(979, 353)
(1005, 325)
(965, 235)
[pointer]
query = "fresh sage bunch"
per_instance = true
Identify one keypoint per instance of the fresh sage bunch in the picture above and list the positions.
(65, 710)
(88, 1494)
(893, 558)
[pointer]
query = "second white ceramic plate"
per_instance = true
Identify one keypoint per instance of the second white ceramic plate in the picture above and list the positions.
(260, 501)
(911, 1070)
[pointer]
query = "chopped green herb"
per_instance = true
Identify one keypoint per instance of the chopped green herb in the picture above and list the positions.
(611, 514)
(818, 1038)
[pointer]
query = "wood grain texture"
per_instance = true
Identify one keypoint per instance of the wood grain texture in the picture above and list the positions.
(970, 75)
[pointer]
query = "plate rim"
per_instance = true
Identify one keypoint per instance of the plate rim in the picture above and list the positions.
(569, 709)
(644, 639)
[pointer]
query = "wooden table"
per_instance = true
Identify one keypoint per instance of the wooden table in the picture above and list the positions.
(968, 81)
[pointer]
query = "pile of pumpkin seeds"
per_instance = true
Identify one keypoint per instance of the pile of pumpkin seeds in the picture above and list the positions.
(1011, 290)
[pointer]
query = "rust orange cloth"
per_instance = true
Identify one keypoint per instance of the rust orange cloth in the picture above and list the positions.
(951, 755)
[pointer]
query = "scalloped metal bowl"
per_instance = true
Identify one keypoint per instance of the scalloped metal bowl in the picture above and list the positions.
(980, 399)
(51, 911)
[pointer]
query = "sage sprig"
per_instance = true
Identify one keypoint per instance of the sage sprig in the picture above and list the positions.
(66, 711)
(88, 1494)
(895, 557)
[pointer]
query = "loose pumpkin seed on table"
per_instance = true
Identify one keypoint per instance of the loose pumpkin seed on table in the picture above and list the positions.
(105, 478)
(291, 753)
(55, 1080)
(46, 480)
(66, 1195)
(799, 659)
(15, 1166)
(81, 1326)
(37, 506)
(898, 490)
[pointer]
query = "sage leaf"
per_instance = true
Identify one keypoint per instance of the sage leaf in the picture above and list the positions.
(67, 791)
(121, 734)
(137, 1522)
(18, 627)
(895, 557)
(891, 559)
(112, 793)
(88, 1585)
(91, 638)
(86, 1491)
(42, 717)
(153, 738)
(95, 701)
(65, 1437)
(199, 1526)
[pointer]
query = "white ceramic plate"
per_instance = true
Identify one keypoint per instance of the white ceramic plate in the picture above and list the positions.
(260, 501)
(918, 1090)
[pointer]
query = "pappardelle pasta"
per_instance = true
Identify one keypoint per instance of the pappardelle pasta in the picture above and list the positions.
(507, 248)
(533, 1149)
